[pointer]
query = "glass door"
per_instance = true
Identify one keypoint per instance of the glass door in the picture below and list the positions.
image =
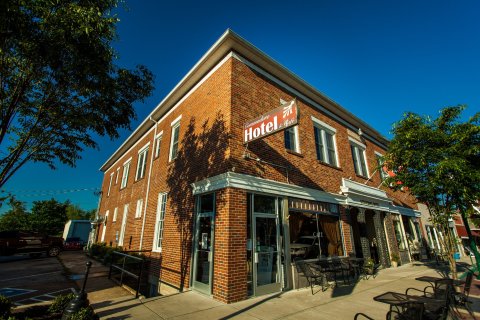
(203, 245)
(267, 272)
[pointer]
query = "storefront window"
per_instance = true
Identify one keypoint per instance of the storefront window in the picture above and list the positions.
(313, 235)
(398, 234)
(264, 204)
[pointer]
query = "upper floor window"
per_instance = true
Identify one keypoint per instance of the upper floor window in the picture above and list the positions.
(115, 214)
(116, 177)
(142, 163)
(174, 140)
(359, 160)
(291, 139)
(138, 211)
(158, 144)
(381, 170)
(110, 184)
(126, 169)
(325, 142)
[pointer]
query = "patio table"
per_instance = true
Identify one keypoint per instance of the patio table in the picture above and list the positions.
(395, 298)
(432, 280)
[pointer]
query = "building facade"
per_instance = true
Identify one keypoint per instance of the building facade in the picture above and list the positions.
(227, 218)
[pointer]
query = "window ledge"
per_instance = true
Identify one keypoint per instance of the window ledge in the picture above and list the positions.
(329, 165)
(295, 153)
(360, 176)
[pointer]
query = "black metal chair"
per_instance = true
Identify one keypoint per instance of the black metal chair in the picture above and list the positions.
(312, 274)
(441, 298)
(461, 298)
(409, 310)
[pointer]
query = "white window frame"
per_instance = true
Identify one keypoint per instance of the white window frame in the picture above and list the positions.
(138, 211)
(110, 184)
(158, 144)
(159, 222)
(104, 230)
(383, 174)
(116, 177)
(174, 139)
(124, 225)
(324, 128)
(296, 140)
(360, 151)
(126, 170)
(142, 162)
(115, 214)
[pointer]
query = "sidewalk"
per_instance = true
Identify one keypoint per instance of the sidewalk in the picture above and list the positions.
(338, 303)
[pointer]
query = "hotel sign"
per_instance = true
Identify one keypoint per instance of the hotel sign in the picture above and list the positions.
(278, 119)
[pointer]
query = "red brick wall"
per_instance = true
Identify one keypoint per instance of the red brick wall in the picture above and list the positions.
(211, 132)
(230, 255)
(203, 151)
(253, 95)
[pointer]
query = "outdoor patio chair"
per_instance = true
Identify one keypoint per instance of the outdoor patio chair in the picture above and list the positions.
(341, 268)
(461, 298)
(403, 311)
(441, 291)
(368, 272)
(410, 310)
(312, 274)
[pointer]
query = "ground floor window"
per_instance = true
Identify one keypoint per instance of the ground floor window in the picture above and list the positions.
(398, 233)
(314, 235)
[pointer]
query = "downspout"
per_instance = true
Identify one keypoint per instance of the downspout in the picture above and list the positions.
(148, 184)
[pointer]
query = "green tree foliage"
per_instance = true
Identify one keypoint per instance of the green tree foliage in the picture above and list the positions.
(49, 216)
(439, 161)
(17, 218)
(59, 84)
(74, 212)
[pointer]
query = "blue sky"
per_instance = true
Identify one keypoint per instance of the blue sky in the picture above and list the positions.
(378, 59)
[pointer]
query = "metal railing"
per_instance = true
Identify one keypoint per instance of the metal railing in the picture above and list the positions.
(124, 265)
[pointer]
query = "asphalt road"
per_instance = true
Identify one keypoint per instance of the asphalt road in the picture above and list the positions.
(26, 280)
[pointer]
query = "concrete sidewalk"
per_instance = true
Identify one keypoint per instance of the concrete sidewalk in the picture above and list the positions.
(337, 303)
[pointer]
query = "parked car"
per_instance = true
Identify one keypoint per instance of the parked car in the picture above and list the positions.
(73, 243)
(304, 247)
(33, 243)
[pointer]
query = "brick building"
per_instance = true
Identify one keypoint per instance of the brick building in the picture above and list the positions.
(228, 218)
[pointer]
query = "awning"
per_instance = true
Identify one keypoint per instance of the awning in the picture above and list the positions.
(462, 232)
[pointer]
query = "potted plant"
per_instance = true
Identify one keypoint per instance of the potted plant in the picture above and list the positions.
(395, 259)
(368, 265)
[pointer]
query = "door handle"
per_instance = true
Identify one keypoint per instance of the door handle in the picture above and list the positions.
(209, 256)
(255, 257)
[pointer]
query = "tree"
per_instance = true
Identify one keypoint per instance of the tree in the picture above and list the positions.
(49, 216)
(59, 85)
(17, 218)
(439, 161)
(74, 212)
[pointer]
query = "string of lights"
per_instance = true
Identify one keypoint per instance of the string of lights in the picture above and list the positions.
(39, 193)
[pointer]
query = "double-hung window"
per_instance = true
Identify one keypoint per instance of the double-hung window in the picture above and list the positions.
(158, 233)
(174, 140)
(115, 214)
(358, 155)
(325, 144)
(291, 139)
(138, 211)
(383, 173)
(158, 144)
(116, 177)
(126, 169)
(142, 162)
(110, 184)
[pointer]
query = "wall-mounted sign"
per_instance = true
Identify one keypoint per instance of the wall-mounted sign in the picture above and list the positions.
(278, 119)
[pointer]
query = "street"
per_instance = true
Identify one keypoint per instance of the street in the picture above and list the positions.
(25, 280)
